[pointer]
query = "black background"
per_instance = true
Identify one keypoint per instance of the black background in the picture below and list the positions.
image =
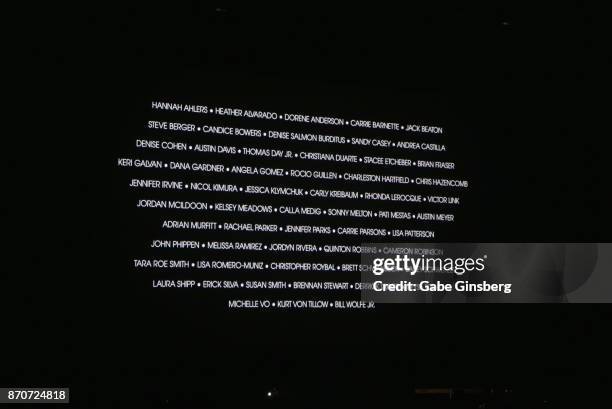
(526, 85)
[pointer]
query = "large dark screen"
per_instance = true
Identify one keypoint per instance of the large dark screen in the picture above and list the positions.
(195, 187)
